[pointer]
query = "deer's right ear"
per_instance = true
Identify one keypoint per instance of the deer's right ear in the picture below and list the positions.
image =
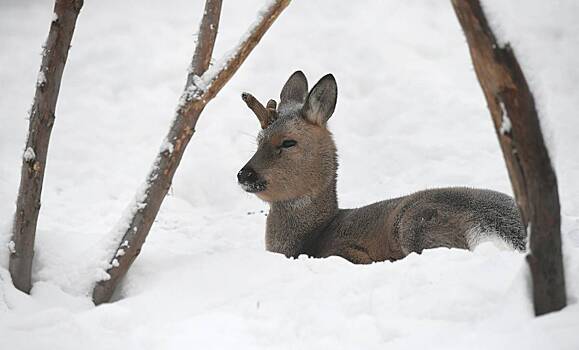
(295, 90)
(321, 101)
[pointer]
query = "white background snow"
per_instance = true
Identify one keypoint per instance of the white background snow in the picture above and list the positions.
(410, 115)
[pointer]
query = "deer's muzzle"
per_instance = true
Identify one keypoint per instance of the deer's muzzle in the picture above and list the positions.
(249, 180)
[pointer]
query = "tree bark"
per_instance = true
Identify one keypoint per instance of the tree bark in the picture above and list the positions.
(205, 41)
(40, 125)
(518, 129)
(198, 92)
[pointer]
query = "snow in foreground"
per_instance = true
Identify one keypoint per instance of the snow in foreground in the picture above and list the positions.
(410, 115)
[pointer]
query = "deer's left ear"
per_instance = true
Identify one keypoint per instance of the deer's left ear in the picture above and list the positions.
(321, 101)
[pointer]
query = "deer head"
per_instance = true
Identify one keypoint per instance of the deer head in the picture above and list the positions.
(296, 155)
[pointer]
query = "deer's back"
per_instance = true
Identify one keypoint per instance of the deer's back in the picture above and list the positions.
(447, 217)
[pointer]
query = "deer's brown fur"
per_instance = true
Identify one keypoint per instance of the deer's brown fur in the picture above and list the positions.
(294, 170)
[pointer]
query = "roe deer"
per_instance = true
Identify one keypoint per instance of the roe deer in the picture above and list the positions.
(294, 170)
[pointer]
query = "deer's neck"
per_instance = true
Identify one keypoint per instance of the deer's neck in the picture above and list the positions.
(293, 227)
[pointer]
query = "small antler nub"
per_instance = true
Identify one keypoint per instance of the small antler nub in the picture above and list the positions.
(265, 115)
(271, 111)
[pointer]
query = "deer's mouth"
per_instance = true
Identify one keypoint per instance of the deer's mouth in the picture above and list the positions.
(254, 187)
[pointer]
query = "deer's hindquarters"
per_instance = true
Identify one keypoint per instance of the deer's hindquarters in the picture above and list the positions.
(457, 218)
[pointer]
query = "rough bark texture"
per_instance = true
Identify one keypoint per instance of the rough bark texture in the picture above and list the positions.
(205, 40)
(40, 125)
(517, 125)
(193, 101)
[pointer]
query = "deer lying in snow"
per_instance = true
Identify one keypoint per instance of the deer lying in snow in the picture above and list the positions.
(294, 170)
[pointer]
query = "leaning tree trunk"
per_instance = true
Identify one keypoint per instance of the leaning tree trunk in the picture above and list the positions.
(202, 86)
(517, 125)
(40, 125)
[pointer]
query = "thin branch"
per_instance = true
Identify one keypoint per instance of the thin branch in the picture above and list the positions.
(193, 101)
(518, 129)
(40, 126)
(205, 40)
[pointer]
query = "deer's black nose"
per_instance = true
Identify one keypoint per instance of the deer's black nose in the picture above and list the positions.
(246, 175)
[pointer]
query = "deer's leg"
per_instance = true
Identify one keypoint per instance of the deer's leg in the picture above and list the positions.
(431, 227)
(356, 254)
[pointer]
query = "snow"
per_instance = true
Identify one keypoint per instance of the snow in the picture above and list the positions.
(410, 115)
(41, 80)
(11, 247)
(506, 121)
(166, 147)
(200, 83)
(29, 154)
(191, 92)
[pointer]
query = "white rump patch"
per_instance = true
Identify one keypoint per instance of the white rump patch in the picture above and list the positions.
(476, 236)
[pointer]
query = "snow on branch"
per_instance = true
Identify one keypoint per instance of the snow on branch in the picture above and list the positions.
(41, 120)
(517, 125)
(207, 85)
(203, 84)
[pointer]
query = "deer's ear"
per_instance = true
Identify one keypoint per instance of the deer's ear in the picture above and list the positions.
(295, 90)
(321, 101)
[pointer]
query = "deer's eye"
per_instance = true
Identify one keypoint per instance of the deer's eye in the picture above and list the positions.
(288, 143)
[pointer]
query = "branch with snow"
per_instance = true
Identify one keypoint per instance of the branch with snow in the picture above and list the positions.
(532, 175)
(41, 119)
(203, 84)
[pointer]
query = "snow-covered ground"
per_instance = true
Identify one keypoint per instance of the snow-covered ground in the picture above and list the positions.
(410, 115)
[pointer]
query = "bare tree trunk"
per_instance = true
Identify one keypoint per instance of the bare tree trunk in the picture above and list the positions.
(205, 41)
(516, 122)
(40, 125)
(198, 92)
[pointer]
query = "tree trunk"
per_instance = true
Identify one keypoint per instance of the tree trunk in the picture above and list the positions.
(199, 90)
(40, 125)
(518, 129)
